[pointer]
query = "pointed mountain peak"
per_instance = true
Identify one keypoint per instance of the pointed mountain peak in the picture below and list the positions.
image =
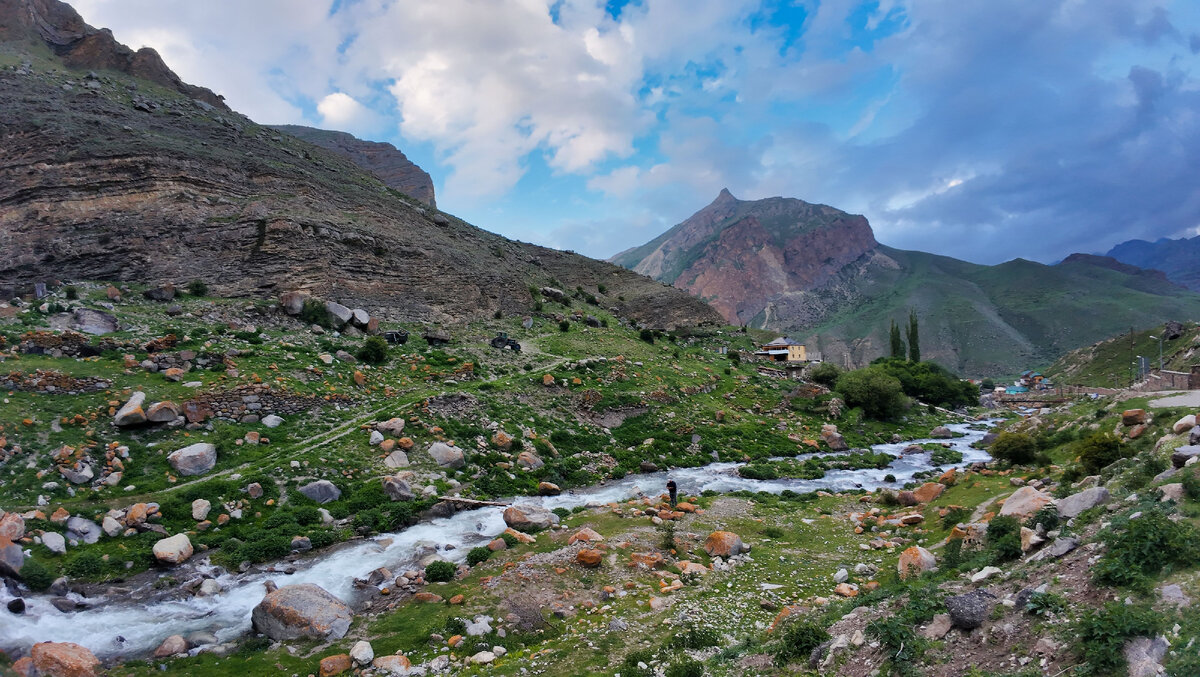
(724, 196)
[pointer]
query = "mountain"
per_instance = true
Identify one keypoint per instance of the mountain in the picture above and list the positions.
(114, 169)
(1177, 258)
(384, 160)
(818, 274)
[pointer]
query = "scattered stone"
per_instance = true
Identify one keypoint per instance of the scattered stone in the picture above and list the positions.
(392, 426)
(447, 456)
(396, 459)
(1144, 656)
(1174, 595)
(589, 558)
(54, 542)
(63, 659)
(200, 509)
(1058, 548)
(195, 459)
(528, 517)
(970, 610)
(1183, 454)
(586, 535)
(397, 489)
(321, 491)
(303, 610)
(1184, 424)
(397, 664)
(131, 412)
(915, 561)
(548, 489)
(272, 421)
(1074, 504)
(84, 530)
(985, 573)
(1132, 417)
(938, 627)
(171, 646)
(335, 665)
(928, 491)
(724, 544)
(1025, 502)
(529, 460)
(174, 549)
(1172, 492)
(941, 433)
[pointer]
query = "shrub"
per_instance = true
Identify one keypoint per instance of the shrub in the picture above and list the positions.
(86, 564)
(1141, 548)
(630, 666)
(1046, 603)
(313, 312)
(902, 646)
(197, 288)
(478, 555)
(36, 575)
(877, 393)
(564, 326)
(952, 556)
(826, 374)
(1014, 448)
(1004, 538)
(1101, 634)
(945, 456)
(798, 641)
(1098, 451)
(71, 292)
(510, 540)
(440, 571)
(1047, 517)
(307, 515)
(694, 637)
(264, 547)
(1191, 485)
(955, 515)
(685, 667)
(373, 351)
(647, 336)
(562, 513)
(889, 478)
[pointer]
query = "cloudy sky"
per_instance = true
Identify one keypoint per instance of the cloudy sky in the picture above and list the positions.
(981, 129)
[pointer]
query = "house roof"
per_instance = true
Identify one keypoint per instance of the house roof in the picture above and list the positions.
(780, 342)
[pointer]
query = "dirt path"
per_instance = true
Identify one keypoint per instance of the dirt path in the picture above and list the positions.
(1182, 398)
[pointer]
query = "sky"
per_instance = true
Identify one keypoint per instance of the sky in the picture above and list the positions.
(984, 130)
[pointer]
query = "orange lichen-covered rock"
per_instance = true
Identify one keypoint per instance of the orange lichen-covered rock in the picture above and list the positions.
(63, 659)
(928, 491)
(589, 558)
(724, 544)
(915, 561)
(335, 665)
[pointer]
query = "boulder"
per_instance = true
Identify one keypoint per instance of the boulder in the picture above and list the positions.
(131, 412)
(1025, 502)
(938, 627)
(548, 489)
(915, 561)
(724, 544)
(1058, 548)
(589, 558)
(585, 535)
(1144, 656)
(303, 610)
(63, 659)
(200, 508)
(272, 421)
(1172, 492)
(362, 652)
(446, 455)
(928, 491)
(335, 665)
(941, 433)
(1183, 454)
(292, 302)
(94, 322)
(54, 542)
(1184, 424)
(529, 517)
(970, 610)
(393, 665)
(174, 549)
(529, 460)
(82, 529)
(360, 318)
(12, 558)
(195, 459)
(397, 489)
(321, 491)
(175, 644)
(392, 426)
(376, 438)
(396, 459)
(1030, 539)
(1132, 417)
(163, 412)
(338, 314)
(1074, 504)
(162, 293)
(12, 526)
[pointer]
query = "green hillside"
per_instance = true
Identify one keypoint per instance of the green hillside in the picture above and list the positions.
(990, 320)
(1111, 361)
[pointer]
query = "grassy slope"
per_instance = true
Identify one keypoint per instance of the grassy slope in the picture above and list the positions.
(1108, 361)
(1000, 320)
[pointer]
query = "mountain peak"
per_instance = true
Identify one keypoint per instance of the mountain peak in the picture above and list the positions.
(724, 196)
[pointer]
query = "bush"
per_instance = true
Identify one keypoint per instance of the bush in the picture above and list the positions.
(263, 548)
(440, 572)
(313, 312)
(1141, 548)
(562, 513)
(373, 351)
(629, 666)
(1045, 604)
(1004, 538)
(878, 394)
(1191, 485)
(695, 638)
(71, 292)
(826, 374)
(945, 456)
(798, 641)
(510, 540)
(564, 326)
(1097, 451)
(1101, 634)
(478, 555)
(1047, 517)
(685, 667)
(86, 564)
(36, 575)
(197, 288)
(647, 336)
(1014, 448)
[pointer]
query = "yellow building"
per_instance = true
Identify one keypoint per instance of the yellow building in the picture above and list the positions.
(783, 349)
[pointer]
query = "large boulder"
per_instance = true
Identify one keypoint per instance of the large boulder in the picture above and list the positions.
(12, 526)
(131, 412)
(928, 491)
(93, 322)
(397, 489)
(392, 426)
(292, 302)
(173, 549)
(63, 659)
(396, 459)
(1074, 504)
(724, 544)
(321, 491)
(83, 529)
(1184, 424)
(1025, 502)
(446, 455)
(969, 611)
(163, 412)
(529, 460)
(529, 517)
(915, 561)
(12, 557)
(338, 314)
(1132, 417)
(1183, 454)
(941, 433)
(303, 610)
(195, 459)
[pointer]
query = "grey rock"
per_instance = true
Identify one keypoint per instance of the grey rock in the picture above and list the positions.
(54, 542)
(131, 412)
(338, 313)
(85, 530)
(321, 491)
(447, 456)
(938, 627)
(303, 610)
(1058, 548)
(1182, 454)
(346, 357)
(360, 317)
(970, 610)
(941, 433)
(272, 421)
(195, 459)
(1174, 596)
(1074, 504)
(1144, 656)
(94, 322)
(396, 459)
(397, 489)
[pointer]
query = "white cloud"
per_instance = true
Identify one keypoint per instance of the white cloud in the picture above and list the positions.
(343, 112)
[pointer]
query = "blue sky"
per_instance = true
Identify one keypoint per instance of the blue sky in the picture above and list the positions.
(982, 130)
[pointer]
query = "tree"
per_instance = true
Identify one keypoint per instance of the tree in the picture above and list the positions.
(897, 342)
(878, 393)
(1016, 448)
(914, 339)
(826, 374)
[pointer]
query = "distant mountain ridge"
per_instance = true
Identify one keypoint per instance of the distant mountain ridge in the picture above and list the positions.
(1179, 259)
(818, 274)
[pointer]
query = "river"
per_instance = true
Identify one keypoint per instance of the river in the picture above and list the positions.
(124, 628)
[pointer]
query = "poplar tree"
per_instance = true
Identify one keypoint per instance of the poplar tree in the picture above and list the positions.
(914, 340)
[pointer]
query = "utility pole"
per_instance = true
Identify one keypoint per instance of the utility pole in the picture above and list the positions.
(1160, 354)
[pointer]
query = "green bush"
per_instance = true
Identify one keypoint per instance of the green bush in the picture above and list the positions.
(954, 516)
(1004, 538)
(945, 456)
(71, 292)
(876, 392)
(826, 374)
(564, 326)
(685, 667)
(562, 513)
(197, 288)
(1014, 448)
(694, 637)
(798, 640)
(478, 555)
(510, 540)
(1047, 517)
(1098, 450)
(440, 571)
(929, 382)
(902, 646)
(36, 575)
(1141, 548)
(647, 336)
(313, 312)
(1191, 485)
(373, 351)
(629, 666)
(85, 564)
(263, 548)
(1101, 634)
(1045, 604)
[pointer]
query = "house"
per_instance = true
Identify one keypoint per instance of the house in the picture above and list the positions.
(783, 349)
(1032, 379)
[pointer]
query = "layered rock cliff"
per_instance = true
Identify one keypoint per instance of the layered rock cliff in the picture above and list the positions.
(106, 175)
(383, 160)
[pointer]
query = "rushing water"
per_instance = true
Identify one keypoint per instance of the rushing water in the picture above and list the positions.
(123, 627)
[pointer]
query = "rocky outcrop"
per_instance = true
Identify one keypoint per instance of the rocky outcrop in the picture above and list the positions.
(381, 159)
(194, 459)
(303, 610)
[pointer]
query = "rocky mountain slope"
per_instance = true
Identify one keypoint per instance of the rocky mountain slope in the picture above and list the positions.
(1177, 258)
(113, 169)
(384, 160)
(818, 274)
